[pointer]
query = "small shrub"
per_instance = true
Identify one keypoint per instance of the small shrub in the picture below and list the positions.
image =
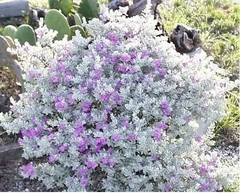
(122, 103)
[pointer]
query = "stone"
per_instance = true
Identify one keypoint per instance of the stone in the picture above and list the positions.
(12, 8)
(185, 39)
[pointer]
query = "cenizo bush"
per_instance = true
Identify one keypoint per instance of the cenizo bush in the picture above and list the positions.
(122, 103)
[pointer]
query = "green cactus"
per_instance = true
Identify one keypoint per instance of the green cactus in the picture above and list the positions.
(89, 9)
(9, 30)
(74, 28)
(77, 19)
(25, 33)
(55, 20)
(66, 6)
(53, 4)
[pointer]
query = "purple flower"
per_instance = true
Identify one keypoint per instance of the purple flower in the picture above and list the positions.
(63, 148)
(128, 34)
(29, 169)
(117, 98)
(162, 126)
(116, 137)
(132, 137)
(122, 68)
(55, 79)
(193, 79)
(105, 160)
(113, 60)
(186, 119)
(154, 158)
(52, 136)
(99, 143)
(157, 136)
(86, 107)
(167, 112)
(164, 105)
(97, 74)
(213, 161)
(20, 141)
(79, 128)
(167, 187)
(144, 54)
(91, 164)
(83, 172)
(198, 138)
(161, 72)
(157, 64)
(31, 133)
(113, 37)
(125, 58)
(100, 46)
(61, 106)
(125, 123)
(84, 182)
(83, 144)
(105, 97)
(62, 126)
(51, 159)
(203, 170)
(132, 70)
(71, 101)
(61, 67)
(118, 85)
(204, 186)
(99, 126)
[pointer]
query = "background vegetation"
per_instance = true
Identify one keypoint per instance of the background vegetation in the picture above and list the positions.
(218, 22)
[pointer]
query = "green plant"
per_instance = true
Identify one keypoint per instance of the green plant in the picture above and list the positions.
(89, 9)
(25, 33)
(9, 30)
(55, 20)
(53, 4)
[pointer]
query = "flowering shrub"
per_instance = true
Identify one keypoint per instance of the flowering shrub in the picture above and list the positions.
(123, 104)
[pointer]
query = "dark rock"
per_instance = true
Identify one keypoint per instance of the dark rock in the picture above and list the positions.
(185, 39)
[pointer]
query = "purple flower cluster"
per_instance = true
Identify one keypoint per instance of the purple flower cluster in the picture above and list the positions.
(165, 109)
(157, 132)
(29, 170)
(32, 132)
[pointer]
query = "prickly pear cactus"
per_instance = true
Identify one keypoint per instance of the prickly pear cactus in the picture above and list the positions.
(66, 6)
(25, 33)
(77, 19)
(55, 20)
(9, 30)
(74, 28)
(89, 9)
(53, 4)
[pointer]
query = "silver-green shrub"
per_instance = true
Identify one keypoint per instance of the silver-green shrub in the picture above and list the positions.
(123, 103)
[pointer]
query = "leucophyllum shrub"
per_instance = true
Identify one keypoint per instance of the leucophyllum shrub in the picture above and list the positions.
(122, 106)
